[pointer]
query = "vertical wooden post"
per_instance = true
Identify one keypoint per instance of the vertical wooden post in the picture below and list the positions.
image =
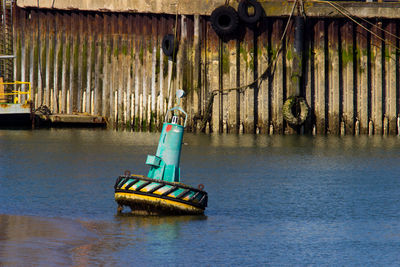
(153, 72)
(50, 60)
(65, 60)
(252, 91)
(106, 62)
(138, 57)
(112, 66)
(376, 81)
(263, 96)
(291, 86)
(334, 85)
(57, 61)
(17, 48)
(73, 73)
(362, 78)
(214, 73)
(98, 84)
(81, 24)
(120, 70)
(278, 79)
(320, 76)
(196, 59)
(24, 52)
(231, 55)
(347, 59)
(130, 69)
(390, 77)
(41, 44)
(89, 48)
(163, 64)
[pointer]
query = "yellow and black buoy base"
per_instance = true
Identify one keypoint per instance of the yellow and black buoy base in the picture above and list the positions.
(146, 196)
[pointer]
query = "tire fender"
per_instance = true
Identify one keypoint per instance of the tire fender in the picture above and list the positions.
(169, 45)
(287, 110)
(224, 20)
(243, 11)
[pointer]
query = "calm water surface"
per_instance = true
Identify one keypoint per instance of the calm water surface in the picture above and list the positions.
(281, 200)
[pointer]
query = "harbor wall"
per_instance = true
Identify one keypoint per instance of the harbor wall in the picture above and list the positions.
(112, 64)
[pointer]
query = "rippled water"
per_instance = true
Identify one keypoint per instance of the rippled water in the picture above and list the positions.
(281, 200)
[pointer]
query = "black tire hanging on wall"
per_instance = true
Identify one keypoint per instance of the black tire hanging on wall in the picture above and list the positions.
(243, 10)
(295, 110)
(224, 20)
(169, 45)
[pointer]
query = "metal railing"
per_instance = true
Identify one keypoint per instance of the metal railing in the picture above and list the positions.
(18, 93)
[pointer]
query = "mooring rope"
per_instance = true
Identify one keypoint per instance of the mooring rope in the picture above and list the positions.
(271, 64)
(273, 61)
(365, 20)
(341, 10)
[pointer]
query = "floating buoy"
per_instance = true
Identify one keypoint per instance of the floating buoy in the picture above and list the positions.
(224, 20)
(146, 196)
(295, 110)
(161, 192)
(250, 17)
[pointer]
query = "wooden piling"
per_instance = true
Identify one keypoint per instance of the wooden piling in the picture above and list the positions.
(278, 78)
(376, 80)
(347, 66)
(391, 75)
(98, 68)
(333, 87)
(363, 71)
(65, 61)
(214, 54)
(112, 64)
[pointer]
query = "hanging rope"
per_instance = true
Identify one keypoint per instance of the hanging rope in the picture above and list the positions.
(368, 22)
(342, 11)
(271, 65)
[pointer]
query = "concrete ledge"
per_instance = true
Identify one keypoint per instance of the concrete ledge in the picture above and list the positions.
(73, 119)
(6, 108)
(205, 7)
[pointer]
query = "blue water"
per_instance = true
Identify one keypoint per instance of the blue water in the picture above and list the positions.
(276, 201)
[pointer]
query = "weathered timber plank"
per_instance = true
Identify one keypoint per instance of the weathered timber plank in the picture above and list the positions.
(320, 43)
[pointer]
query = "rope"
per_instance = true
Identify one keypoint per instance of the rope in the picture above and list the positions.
(359, 24)
(368, 22)
(272, 63)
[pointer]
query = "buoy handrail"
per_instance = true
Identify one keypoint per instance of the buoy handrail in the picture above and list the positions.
(176, 108)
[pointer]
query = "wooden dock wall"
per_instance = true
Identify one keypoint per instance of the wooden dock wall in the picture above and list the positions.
(112, 64)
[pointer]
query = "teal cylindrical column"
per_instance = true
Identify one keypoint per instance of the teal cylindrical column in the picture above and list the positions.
(165, 164)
